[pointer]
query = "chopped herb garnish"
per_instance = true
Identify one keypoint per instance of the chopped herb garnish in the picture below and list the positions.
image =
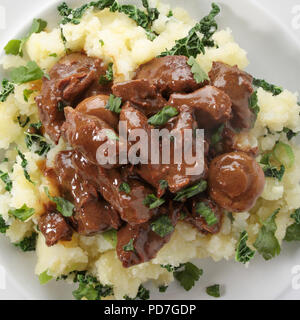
(143, 294)
(24, 74)
(253, 103)
(42, 147)
(90, 288)
(111, 237)
(199, 37)
(44, 277)
(3, 225)
(125, 187)
(170, 14)
(266, 243)
(163, 116)
(163, 184)
(284, 154)
(188, 277)
(28, 243)
(273, 172)
(109, 76)
(54, 55)
(101, 42)
(162, 289)
(296, 215)
(290, 134)
(15, 47)
(191, 191)
(27, 93)
(129, 246)
(23, 122)
(214, 291)
(162, 226)
(217, 136)
(293, 231)
(111, 135)
(275, 90)
(152, 202)
(171, 268)
(199, 74)
(4, 176)
(64, 206)
(207, 213)
(243, 253)
(7, 88)
(114, 104)
(24, 164)
(23, 213)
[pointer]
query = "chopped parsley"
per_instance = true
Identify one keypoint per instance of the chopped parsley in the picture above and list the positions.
(90, 288)
(63, 206)
(217, 136)
(7, 88)
(54, 55)
(152, 202)
(199, 37)
(27, 93)
(243, 253)
(15, 47)
(3, 225)
(143, 294)
(125, 187)
(109, 76)
(71, 15)
(163, 116)
(171, 268)
(190, 192)
(129, 246)
(207, 213)
(162, 289)
(28, 243)
(4, 176)
(266, 243)
(23, 122)
(275, 90)
(253, 103)
(199, 74)
(111, 237)
(293, 231)
(111, 135)
(24, 74)
(270, 170)
(24, 164)
(44, 277)
(162, 226)
(114, 104)
(23, 213)
(290, 134)
(188, 276)
(42, 147)
(214, 291)
(170, 14)
(163, 184)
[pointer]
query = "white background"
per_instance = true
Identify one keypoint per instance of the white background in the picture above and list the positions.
(17, 11)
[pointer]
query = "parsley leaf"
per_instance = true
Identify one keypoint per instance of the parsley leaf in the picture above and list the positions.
(171, 268)
(293, 231)
(90, 288)
(188, 276)
(109, 76)
(114, 104)
(44, 277)
(129, 246)
(23, 122)
(42, 147)
(64, 206)
(214, 291)
(296, 215)
(143, 294)
(162, 289)
(275, 90)
(199, 74)
(71, 15)
(243, 253)
(24, 74)
(125, 187)
(4, 176)
(162, 226)
(290, 134)
(163, 116)
(27, 93)
(23, 213)
(207, 213)
(3, 225)
(194, 43)
(270, 170)
(24, 164)
(7, 88)
(28, 243)
(253, 103)
(266, 243)
(191, 191)
(15, 47)
(152, 202)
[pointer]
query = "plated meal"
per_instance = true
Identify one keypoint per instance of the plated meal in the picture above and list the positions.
(134, 141)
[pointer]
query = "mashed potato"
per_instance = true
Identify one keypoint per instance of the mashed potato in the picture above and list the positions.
(115, 37)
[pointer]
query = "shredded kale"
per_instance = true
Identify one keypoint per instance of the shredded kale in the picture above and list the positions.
(163, 116)
(199, 37)
(152, 202)
(214, 291)
(114, 104)
(3, 225)
(143, 294)
(243, 253)
(90, 288)
(65, 207)
(188, 276)
(109, 76)
(266, 243)
(7, 88)
(162, 226)
(28, 243)
(190, 192)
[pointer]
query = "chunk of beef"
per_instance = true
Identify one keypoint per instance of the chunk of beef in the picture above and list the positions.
(69, 79)
(54, 227)
(146, 243)
(96, 106)
(169, 74)
(238, 85)
(212, 106)
(142, 94)
(235, 181)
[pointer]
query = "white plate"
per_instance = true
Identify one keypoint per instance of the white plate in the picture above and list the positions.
(274, 55)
